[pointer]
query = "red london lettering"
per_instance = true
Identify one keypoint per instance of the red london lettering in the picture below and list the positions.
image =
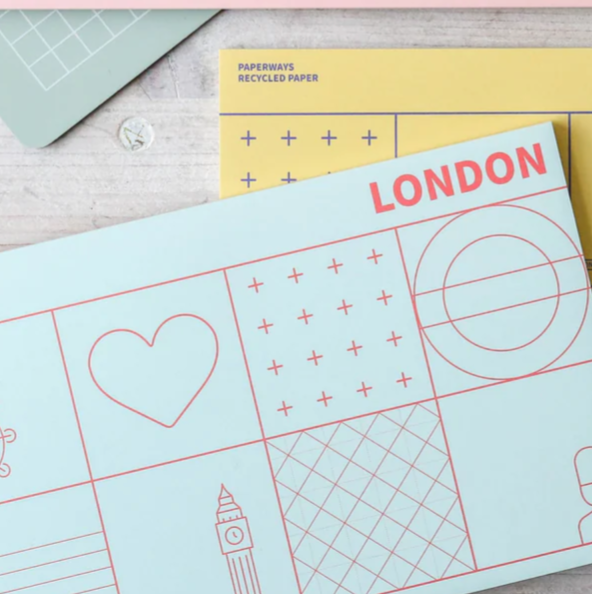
(444, 183)
(415, 184)
(537, 162)
(462, 177)
(465, 185)
(508, 165)
(376, 198)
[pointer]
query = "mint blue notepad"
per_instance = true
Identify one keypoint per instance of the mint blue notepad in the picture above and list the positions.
(56, 66)
(369, 382)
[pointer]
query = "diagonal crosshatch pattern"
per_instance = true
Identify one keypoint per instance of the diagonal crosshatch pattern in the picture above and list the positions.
(370, 504)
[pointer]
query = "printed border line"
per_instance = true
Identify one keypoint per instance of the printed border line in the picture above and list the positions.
(129, 472)
(280, 255)
(90, 473)
(569, 155)
(492, 567)
(435, 393)
(264, 440)
(285, 434)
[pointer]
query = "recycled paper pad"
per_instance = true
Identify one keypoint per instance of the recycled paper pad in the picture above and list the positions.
(290, 115)
(57, 66)
(368, 382)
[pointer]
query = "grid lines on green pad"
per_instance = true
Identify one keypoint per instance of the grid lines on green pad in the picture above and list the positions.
(52, 44)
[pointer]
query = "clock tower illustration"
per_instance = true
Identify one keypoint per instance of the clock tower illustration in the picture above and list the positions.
(236, 544)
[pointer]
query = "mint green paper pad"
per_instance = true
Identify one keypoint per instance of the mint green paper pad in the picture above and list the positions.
(58, 66)
(327, 388)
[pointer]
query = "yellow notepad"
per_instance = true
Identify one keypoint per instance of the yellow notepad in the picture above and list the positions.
(288, 115)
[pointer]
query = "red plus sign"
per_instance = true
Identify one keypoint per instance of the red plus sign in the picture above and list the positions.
(335, 266)
(355, 348)
(305, 316)
(344, 307)
(394, 339)
(295, 275)
(325, 399)
(374, 256)
(285, 408)
(315, 358)
(255, 285)
(275, 367)
(384, 297)
(365, 389)
(265, 326)
(404, 380)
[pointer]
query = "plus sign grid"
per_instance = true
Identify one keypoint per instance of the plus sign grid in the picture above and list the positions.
(53, 44)
(264, 150)
(371, 504)
(330, 333)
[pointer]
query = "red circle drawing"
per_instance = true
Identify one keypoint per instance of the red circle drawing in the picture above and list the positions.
(454, 323)
(552, 339)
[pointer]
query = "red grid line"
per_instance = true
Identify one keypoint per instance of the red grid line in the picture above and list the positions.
(460, 546)
(479, 207)
(435, 393)
(412, 432)
(359, 498)
(374, 508)
(50, 544)
(348, 557)
(492, 276)
(357, 530)
(333, 487)
(53, 562)
(430, 542)
(436, 481)
(492, 567)
(276, 473)
(47, 492)
(329, 578)
(84, 449)
(225, 269)
(311, 470)
(383, 514)
(266, 445)
(380, 512)
(68, 577)
(421, 504)
(286, 434)
(95, 589)
(515, 379)
(506, 307)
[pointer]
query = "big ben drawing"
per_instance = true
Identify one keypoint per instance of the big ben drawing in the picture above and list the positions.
(236, 545)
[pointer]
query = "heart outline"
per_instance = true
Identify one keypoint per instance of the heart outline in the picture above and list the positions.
(150, 344)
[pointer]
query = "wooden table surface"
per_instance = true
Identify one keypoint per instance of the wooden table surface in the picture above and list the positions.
(87, 180)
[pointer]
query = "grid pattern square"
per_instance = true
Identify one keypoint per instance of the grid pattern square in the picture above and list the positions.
(13, 25)
(370, 504)
(117, 20)
(48, 68)
(94, 34)
(53, 44)
(77, 18)
(30, 47)
(53, 29)
(71, 52)
(36, 16)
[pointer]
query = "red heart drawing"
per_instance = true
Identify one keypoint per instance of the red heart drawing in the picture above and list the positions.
(158, 379)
